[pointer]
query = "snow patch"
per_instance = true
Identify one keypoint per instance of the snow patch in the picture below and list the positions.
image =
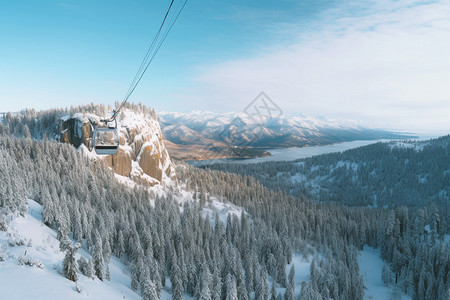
(370, 266)
(223, 209)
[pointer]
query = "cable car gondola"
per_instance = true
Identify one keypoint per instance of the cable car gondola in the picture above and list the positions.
(106, 140)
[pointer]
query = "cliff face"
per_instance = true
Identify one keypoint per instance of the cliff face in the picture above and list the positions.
(75, 130)
(141, 156)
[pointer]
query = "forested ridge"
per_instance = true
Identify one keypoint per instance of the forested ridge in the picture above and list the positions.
(413, 174)
(408, 248)
(208, 259)
(40, 124)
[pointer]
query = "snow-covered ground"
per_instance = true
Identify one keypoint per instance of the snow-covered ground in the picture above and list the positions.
(371, 265)
(301, 266)
(41, 246)
(223, 209)
(416, 145)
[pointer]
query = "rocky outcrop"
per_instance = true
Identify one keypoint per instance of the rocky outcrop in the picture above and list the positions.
(75, 130)
(150, 163)
(121, 162)
(141, 156)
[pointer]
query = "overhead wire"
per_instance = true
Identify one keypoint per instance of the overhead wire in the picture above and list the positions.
(150, 55)
(150, 48)
(156, 51)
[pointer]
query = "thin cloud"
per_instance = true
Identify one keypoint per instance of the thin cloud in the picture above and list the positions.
(386, 62)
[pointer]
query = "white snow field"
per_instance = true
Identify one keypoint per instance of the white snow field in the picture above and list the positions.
(371, 265)
(47, 282)
(301, 266)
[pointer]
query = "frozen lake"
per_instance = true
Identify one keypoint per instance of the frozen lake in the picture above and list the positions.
(288, 154)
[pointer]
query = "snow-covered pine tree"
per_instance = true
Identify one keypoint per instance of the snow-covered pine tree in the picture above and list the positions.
(231, 293)
(290, 285)
(281, 270)
(70, 265)
(241, 288)
(99, 263)
(205, 283)
(176, 279)
(273, 291)
(386, 275)
(261, 287)
(120, 246)
(149, 291)
(217, 284)
(308, 292)
(107, 273)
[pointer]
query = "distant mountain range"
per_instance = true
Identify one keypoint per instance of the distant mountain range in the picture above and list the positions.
(205, 135)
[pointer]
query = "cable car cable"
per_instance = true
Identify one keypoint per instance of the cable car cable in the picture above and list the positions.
(154, 54)
(106, 141)
(156, 51)
(146, 61)
(150, 48)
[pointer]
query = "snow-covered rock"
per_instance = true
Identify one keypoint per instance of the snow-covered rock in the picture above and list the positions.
(142, 155)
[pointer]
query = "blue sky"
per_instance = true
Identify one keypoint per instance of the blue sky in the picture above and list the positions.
(382, 62)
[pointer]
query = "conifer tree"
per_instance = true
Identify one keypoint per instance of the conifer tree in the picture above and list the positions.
(149, 292)
(273, 292)
(99, 263)
(205, 284)
(70, 265)
(231, 293)
(291, 285)
(386, 275)
(90, 272)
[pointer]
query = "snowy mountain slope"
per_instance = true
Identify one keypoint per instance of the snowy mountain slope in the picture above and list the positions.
(214, 205)
(292, 130)
(28, 239)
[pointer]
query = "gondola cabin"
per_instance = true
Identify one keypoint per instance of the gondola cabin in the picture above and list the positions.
(106, 141)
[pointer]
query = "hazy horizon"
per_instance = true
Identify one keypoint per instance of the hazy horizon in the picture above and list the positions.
(422, 134)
